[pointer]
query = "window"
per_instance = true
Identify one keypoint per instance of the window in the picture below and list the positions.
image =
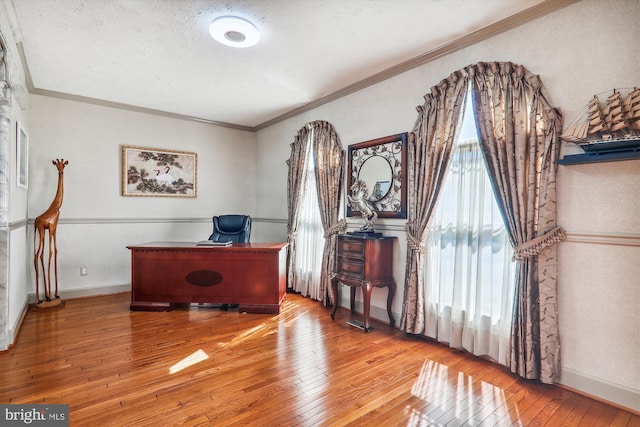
(469, 275)
(310, 237)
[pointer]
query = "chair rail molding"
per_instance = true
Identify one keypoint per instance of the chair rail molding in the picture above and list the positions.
(603, 238)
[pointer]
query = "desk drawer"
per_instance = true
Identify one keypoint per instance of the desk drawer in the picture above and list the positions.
(351, 247)
(351, 267)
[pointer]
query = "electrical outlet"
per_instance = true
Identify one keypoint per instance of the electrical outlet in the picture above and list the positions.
(83, 271)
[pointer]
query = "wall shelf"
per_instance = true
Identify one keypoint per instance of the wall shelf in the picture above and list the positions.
(616, 156)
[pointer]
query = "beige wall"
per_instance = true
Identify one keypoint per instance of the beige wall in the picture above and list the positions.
(96, 221)
(579, 51)
(91, 138)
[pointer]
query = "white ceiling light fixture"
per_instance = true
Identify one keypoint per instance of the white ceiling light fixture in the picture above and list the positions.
(234, 31)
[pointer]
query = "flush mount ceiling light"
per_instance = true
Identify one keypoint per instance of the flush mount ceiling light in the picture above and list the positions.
(234, 31)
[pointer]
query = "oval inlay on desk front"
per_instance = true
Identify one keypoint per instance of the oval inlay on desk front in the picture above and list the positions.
(204, 278)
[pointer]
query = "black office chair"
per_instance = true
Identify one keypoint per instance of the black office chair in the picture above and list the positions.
(231, 228)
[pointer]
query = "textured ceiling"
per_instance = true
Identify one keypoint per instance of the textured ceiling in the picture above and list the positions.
(157, 54)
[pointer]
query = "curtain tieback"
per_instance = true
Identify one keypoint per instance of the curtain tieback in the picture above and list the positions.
(291, 235)
(336, 228)
(535, 246)
(414, 243)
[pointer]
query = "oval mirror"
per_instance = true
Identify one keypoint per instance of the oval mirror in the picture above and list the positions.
(376, 173)
(381, 164)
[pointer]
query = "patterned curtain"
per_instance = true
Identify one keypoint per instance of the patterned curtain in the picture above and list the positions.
(329, 166)
(295, 184)
(519, 135)
(429, 152)
(329, 170)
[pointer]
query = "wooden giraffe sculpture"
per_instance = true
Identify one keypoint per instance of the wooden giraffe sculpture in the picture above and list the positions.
(49, 221)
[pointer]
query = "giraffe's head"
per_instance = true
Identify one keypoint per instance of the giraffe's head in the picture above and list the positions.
(60, 164)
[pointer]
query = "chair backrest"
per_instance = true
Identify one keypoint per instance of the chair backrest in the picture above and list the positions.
(231, 228)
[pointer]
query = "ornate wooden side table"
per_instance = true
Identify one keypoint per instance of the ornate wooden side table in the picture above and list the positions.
(365, 260)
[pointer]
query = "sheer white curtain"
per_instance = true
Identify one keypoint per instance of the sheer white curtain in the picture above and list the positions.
(310, 236)
(469, 273)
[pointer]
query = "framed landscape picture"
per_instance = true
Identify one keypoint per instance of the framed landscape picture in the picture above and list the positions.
(22, 157)
(158, 172)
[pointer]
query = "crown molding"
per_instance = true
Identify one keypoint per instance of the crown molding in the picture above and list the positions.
(128, 107)
(534, 12)
(487, 32)
(110, 104)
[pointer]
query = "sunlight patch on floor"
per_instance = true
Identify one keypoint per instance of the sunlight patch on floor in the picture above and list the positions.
(448, 396)
(433, 377)
(248, 334)
(190, 360)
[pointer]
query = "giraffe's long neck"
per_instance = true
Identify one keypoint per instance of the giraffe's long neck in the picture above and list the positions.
(57, 200)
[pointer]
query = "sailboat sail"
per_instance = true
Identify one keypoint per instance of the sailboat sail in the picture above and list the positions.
(631, 109)
(613, 113)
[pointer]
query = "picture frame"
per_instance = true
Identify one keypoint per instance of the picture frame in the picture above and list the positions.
(156, 172)
(381, 164)
(22, 157)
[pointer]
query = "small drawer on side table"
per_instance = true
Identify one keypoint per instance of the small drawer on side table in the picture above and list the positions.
(351, 267)
(351, 247)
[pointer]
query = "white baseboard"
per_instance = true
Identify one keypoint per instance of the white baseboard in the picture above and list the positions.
(88, 292)
(12, 334)
(598, 388)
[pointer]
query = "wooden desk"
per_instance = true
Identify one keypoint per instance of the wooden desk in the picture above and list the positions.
(365, 262)
(164, 274)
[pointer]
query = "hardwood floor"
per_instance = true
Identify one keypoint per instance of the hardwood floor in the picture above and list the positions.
(113, 367)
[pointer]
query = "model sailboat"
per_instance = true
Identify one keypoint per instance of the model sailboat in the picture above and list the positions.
(612, 127)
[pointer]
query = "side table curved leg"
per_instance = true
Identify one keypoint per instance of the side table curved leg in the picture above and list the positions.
(366, 299)
(334, 288)
(392, 292)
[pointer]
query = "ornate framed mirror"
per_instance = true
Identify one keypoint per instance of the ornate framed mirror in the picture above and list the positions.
(380, 165)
